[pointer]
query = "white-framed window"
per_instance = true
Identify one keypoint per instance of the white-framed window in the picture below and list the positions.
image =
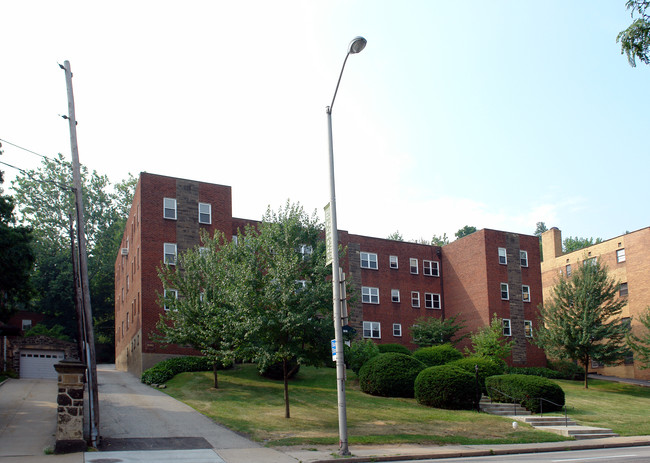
(525, 293)
(620, 255)
(503, 257)
(394, 295)
(432, 301)
(413, 262)
(372, 330)
(415, 299)
(169, 208)
(393, 263)
(430, 268)
(506, 327)
(169, 253)
(205, 213)
(369, 295)
(203, 251)
(305, 251)
(528, 328)
(523, 257)
(27, 324)
(170, 294)
(504, 291)
(397, 330)
(568, 270)
(369, 260)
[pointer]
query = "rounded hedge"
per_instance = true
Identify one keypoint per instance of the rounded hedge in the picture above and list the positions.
(527, 391)
(534, 371)
(486, 367)
(437, 355)
(390, 375)
(167, 369)
(445, 386)
(385, 348)
(359, 353)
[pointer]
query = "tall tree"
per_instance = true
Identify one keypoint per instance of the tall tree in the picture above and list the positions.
(395, 236)
(489, 341)
(640, 344)
(571, 243)
(439, 240)
(431, 331)
(539, 229)
(582, 320)
(466, 230)
(635, 40)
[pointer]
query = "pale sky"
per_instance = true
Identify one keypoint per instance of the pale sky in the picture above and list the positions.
(497, 114)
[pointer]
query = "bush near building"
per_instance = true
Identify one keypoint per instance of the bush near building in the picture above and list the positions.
(385, 348)
(487, 366)
(359, 353)
(445, 386)
(534, 371)
(526, 390)
(390, 375)
(167, 369)
(437, 355)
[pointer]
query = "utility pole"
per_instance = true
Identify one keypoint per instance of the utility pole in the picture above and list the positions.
(83, 265)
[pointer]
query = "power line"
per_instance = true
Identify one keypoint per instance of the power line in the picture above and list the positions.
(24, 172)
(29, 151)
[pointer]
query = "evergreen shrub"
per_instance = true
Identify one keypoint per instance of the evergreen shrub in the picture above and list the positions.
(534, 371)
(526, 391)
(437, 355)
(167, 369)
(445, 386)
(487, 366)
(394, 347)
(390, 375)
(359, 353)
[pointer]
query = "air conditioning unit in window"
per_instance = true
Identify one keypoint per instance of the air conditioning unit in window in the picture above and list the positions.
(125, 251)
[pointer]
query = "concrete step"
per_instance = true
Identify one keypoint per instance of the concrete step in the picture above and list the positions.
(581, 432)
(541, 421)
(502, 409)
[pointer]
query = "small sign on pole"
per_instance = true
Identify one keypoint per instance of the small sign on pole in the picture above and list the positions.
(328, 233)
(333, 350)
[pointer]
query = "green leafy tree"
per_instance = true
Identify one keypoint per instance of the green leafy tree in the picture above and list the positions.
(539, 229)
(641, 344)
(571, 243)
(466, 230)
(582, 320)
(431, 331)
(635, 40)
(438, 240)
(55, 331)
(489, 341)
(395, 236)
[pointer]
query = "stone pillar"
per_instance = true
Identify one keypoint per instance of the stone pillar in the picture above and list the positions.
(70, 410)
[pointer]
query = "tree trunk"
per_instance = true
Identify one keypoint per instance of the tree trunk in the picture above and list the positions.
(215, 368)
(586, 371)
(286, 388)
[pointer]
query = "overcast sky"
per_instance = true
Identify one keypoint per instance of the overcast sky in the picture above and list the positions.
(497, 114)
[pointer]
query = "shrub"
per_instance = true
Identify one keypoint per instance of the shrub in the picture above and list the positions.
(390, 375)
(567, 369)
(276, 370)
(167, 369)
(487, 366)
(359, 353)
(534, 371)
(445, 386)
(437, 355)
(526, 391)
(385, 348)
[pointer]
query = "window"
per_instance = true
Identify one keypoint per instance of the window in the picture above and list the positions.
(127, 282)
(397, 330)
(591, 262)
(169, 208)
(305, 250)
(525, 293)
(528, 328)
(506, 327)
(523, 257)
(414, 266)
(431, 301)
(203, 251)
(504, 291)
(169, 294)
(620, 255)
(170, 254)
(430, 268)
(127, 321)
(394, 295)
(503, 258)
(300, 285)
(568, 270)
(372, 330)
(622, 290)
(27, 325)
(205, 213)
(369, 295)
(415, 299)
(393, 261)
(369, 260)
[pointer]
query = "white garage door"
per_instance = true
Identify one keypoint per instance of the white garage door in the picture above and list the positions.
(39, 363)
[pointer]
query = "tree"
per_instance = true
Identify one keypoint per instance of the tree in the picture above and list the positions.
(395, 236)
(641, 344)
(571, 243)
(466, 230)
(490, 342)
(431, 331)
(205, 313)
(437, 240)
(582, 320)
(635, 40)
(540, 228)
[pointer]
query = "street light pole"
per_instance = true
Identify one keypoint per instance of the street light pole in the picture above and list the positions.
(357, 44)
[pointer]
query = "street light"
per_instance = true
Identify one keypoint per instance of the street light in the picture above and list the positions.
(356, 45)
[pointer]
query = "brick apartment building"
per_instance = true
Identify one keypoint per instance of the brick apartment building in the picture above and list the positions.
(627, 260)
(484, 273)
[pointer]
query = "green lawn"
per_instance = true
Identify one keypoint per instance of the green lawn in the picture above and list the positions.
(249, 404)
(622, 407)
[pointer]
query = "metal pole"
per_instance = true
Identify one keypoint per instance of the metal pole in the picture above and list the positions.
(83, 263)
(336, 290)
